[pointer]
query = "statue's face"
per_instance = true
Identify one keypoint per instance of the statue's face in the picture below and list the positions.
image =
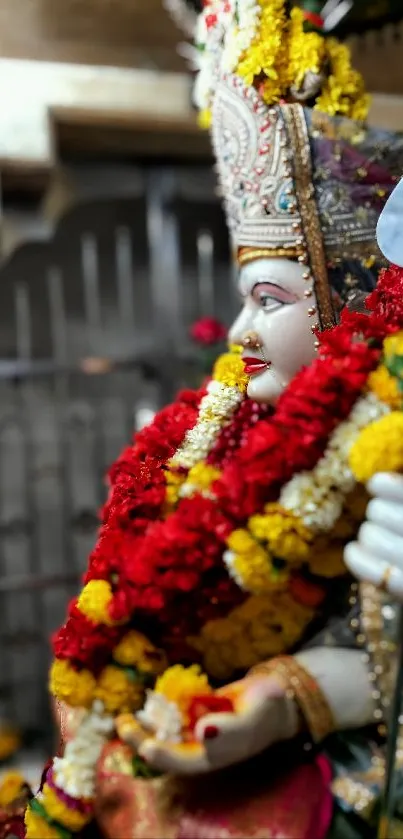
(275, 325)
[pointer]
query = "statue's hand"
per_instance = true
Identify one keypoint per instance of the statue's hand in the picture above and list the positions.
(264, 716)
(377, 555)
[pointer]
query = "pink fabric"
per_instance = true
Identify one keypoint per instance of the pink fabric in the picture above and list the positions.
(322, 820)
(245, 802)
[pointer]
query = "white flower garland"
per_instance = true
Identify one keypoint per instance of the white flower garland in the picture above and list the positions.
(216, 409)
(221, 45)
(317, 497)
(74, 773)
(240, 33)
(161, 717)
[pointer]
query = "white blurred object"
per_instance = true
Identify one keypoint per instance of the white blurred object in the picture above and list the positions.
(143, 416)
(184, 17)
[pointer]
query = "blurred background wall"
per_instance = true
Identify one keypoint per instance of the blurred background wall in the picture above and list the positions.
(112, 242)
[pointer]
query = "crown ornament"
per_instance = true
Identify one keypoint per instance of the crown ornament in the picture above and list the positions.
(300, 174)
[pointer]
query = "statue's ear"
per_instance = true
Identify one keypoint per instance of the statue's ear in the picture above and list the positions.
(390, 227)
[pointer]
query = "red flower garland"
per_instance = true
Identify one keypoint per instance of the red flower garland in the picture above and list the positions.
(234, 435)
(170, 574)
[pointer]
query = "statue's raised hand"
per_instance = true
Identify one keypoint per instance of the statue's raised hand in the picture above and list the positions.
(377, 555)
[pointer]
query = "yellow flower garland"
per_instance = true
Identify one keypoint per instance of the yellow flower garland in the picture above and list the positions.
(385, 387)
(135, 650)
(283, 53)
(59, 812)
(260, 628)
(229, 370)
(268, 54)
(38, 828)
(76, 689)
(180, 684)
(274, 535)
(379, 448)
(119, 691)
(94, 602)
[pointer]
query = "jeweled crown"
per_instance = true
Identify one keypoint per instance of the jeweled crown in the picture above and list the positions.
(300, 174)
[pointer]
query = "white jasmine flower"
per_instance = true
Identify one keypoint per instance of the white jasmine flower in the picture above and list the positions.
(161, 717)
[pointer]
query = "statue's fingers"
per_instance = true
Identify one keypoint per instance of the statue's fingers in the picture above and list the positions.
(367, 567)
(177, 759)
(130, 731)
(388, 486)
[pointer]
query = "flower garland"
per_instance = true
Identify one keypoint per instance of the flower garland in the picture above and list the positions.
(224, 394)
(169, 575)
(258, 42)
(275, 544)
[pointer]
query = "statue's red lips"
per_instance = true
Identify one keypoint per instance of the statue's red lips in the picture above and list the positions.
(253, 366)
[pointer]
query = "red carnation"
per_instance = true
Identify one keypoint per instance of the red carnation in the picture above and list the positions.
(208, 331)
(83, 643)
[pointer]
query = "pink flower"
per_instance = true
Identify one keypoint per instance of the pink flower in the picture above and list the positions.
(208, 331)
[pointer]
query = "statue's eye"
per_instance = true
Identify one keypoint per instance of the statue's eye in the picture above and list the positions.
(270, 297)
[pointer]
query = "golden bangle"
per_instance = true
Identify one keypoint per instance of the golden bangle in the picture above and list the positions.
(305, 691)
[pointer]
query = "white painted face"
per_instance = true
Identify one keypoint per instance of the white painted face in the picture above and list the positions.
(276, 303)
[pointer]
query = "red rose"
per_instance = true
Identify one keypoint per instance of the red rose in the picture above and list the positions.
(208, 331)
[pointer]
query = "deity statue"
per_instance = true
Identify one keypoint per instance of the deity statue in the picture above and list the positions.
(224, 532)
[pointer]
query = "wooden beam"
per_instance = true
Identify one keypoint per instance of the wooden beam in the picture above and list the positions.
(105, 110)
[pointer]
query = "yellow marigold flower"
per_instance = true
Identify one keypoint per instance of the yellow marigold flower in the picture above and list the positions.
(379, 448)
(285, 534)
(255, 573)
(174, 478)
(11, 787)
(135, 650)
(180, 684)
(203, 476)
(10, 742)
(58, 811)
(307, 50)
(344, 91)
(94, 601)
(241, 542)
(75, 688)
(38, 828)
(393, 345)
(282, 53)
(229, 369)
(236, 349)
(268, 52)
(118, 691)
(385, 387)
(171, 499)
(174, 481)
(261, 627)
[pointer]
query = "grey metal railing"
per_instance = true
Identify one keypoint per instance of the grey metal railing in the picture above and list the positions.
(93, 339)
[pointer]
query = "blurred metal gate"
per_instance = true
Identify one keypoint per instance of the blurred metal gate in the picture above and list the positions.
(93, 339)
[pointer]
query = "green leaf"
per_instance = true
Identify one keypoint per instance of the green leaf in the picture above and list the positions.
(39, 809)
(142, 770)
